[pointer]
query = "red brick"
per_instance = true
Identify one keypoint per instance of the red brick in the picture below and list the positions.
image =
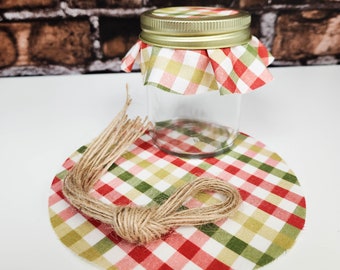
(62, 42)
(118, 35)
(252, 3)
(161, 3)
(294, 2)
(226, 3)
(8, 4)
(303, 34)
(8, 53)
(314, 14)
(166, 3)
(82, 3)
(114, 47)
(255, 26)
(303, 2)
(124, 3)
(19, 32)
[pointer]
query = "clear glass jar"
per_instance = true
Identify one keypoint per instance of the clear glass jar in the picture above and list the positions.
(197, 126)
(204, 123)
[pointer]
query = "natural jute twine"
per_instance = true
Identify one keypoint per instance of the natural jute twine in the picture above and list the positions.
(139, 224)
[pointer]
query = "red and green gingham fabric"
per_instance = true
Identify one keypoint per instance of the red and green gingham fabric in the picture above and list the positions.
(238, 69)
(265, 226)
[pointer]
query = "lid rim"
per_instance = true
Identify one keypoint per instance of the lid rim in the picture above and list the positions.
(240, 13)
(194, 32)
(208, 28)
(197, 42)
(235, 21)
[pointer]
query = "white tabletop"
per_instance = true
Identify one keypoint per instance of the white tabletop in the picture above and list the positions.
(44, 119)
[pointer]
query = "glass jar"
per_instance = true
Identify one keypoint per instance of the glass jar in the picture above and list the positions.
(199, 125)
(186, 122)
(196, 63)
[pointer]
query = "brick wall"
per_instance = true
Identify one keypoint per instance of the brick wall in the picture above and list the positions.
(39, 37)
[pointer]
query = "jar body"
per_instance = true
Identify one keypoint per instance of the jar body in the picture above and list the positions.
(193, 126)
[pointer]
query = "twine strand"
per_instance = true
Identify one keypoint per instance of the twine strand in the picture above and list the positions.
(139, 224)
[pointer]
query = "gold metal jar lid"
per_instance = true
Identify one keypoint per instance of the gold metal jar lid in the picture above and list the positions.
(195, 27)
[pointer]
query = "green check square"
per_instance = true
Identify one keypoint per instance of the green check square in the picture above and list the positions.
(90, 254)
(266, 168)
(204, 166)
(172, 67)
(209, 229)
(55, 220)
(126, 176)
(143, 187)
(278, 173)
(290, 230)
(274, 251)
(248, 58)
(162, 173)
(233, 76)
(113, 167)
(236, 245)
(82, 149)
(160, 198)
(103, 245)
(62, 174)
(253, 225)
(290, 178)
(128, 155)
(70, 238)
(244, 159)
(197, 75)
(300, 211)
(144, 164)
(265, 259)
(222, 236)
(252, 254)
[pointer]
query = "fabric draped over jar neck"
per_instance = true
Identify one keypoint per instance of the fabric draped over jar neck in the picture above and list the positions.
(231, 70)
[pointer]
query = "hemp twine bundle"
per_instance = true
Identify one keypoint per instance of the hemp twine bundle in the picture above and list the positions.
(139, 224)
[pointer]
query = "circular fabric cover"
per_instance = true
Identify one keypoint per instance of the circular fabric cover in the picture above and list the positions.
(266, 225)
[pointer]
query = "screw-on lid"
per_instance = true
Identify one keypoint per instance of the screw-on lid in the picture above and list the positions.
(195, 27)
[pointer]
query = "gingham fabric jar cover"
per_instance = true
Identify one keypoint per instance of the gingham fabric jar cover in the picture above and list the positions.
(230, 70)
